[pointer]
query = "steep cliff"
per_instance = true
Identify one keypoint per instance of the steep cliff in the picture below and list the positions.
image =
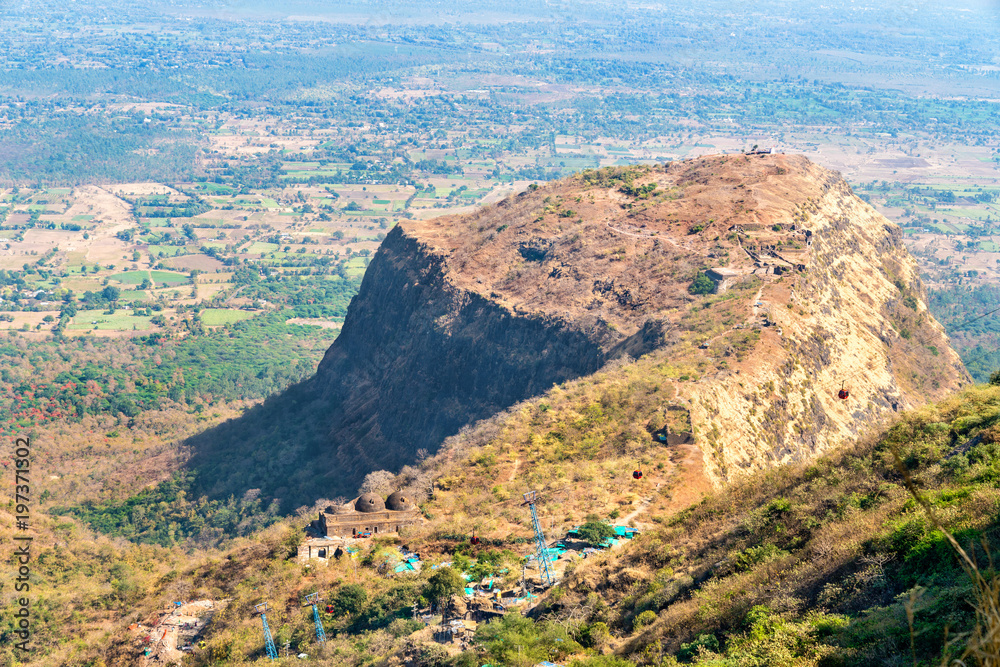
(462, 316)
(419, 357)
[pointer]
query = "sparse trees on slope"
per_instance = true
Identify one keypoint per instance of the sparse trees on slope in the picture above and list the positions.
(378, 481)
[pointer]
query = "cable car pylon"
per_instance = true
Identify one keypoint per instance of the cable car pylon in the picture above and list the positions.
(272, 652)
(313, 600)
(530, 498)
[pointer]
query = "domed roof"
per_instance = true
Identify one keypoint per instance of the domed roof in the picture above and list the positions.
(399, 502)
(369, 502)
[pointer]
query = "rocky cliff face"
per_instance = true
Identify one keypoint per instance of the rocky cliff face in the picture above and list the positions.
(852, 316)
(420, 356)
(462, 316)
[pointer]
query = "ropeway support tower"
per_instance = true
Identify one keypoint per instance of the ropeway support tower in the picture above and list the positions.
(313, 600)
(541, 548)
(272, 652)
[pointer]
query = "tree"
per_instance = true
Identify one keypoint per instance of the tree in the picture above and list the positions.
(595, 531)
(111, 293)
(518, 641)
(349, 600)
(444, 583)
(702, 284)
(378, 481)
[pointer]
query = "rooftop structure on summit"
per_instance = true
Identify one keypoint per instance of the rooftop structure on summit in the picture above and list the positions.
(368, 514)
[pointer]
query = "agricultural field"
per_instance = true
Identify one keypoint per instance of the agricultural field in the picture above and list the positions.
(214, 317)
(98, 320)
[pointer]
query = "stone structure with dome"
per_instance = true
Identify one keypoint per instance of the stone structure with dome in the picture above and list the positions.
(368, 513)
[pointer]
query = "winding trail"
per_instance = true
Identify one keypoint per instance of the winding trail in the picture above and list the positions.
(660, 237)
(637, 511)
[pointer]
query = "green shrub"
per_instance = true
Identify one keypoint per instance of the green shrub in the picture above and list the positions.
(690, 650)
(957, 465)
(702, 284)
(594, 635)
(644, 619)
(514, 639)
(602, 661)
(595, 531)
(349, 600)
(400, 627)
(444, 583)
(754, 556)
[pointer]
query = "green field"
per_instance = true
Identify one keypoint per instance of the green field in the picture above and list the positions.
(169, 277)
(356, 267)
(215, 317)
(261, 247)
(82, 218)
(167, 250)
(161, 278)
(120, 321)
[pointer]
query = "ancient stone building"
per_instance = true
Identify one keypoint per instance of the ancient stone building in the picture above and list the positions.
(722, 278)
(368, 513)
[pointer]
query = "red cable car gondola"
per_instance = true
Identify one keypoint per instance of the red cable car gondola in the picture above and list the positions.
(844, 393)
(474, 540)
(636, 474)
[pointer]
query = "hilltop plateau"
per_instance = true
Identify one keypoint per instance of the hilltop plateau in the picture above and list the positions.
(750, 288)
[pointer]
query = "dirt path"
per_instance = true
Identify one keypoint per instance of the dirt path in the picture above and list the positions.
(660, 237)
(513, 471)
(636, 512)
(233, 295)
(753, 305)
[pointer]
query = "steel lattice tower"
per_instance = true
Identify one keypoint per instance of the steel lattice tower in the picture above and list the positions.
(272, 652)
(313, 599)
(541, 548)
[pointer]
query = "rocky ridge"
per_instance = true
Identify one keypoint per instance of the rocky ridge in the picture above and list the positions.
(461, 317)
